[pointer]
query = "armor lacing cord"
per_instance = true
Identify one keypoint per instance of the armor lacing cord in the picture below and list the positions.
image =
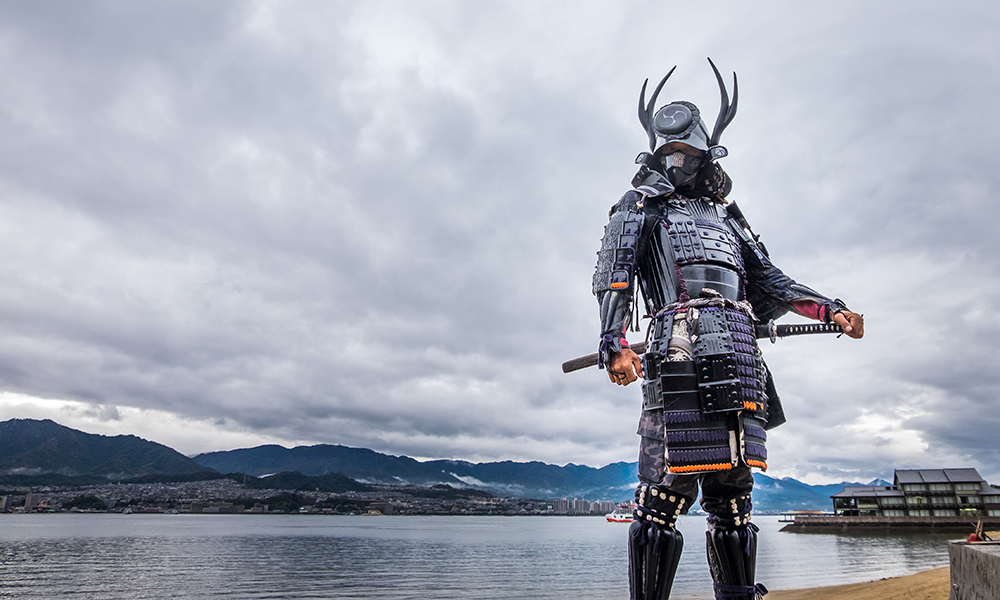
(734, 592)
(641, 535)
(605, 349)
(684, 296)
(741, 509)
(717, 302)
(658, 507)
(634, 322)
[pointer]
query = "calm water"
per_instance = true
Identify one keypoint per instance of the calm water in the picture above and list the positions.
(302, 556)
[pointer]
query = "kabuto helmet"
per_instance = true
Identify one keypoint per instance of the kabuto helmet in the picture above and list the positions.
(681, 121)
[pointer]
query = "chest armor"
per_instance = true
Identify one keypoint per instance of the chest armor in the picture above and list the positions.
(693, 248)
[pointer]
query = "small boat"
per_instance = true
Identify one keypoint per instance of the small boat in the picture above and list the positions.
(622, 514)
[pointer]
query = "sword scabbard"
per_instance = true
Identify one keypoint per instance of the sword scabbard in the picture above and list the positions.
(763, 330)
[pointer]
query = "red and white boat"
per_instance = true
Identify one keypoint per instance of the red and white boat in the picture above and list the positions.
(622, 514)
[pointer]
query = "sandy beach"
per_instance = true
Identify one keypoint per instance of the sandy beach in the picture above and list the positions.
(926, 585)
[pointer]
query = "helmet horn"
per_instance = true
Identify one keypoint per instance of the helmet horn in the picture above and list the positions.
(646, 110)
(726, 111)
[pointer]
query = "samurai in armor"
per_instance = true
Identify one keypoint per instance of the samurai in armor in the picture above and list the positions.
(708, 399)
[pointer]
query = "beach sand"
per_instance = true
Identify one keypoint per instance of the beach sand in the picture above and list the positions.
(926, 585)
(934, 584)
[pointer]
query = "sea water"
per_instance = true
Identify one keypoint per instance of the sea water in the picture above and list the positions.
(113, 556)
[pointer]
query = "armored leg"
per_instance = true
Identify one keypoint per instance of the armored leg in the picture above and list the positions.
(732, 552)
(654, 544)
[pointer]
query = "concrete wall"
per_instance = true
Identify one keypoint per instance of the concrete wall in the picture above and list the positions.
(975, 571)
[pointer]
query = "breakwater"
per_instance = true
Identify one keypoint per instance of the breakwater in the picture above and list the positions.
(975, 570)
(833, 524)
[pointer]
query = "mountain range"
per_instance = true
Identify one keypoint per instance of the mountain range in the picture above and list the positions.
(45, 453)
(533, 479)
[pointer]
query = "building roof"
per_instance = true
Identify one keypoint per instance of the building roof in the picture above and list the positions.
(867, 491)
(937, 476)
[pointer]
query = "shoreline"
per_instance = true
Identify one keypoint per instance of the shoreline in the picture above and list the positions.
(933, 584)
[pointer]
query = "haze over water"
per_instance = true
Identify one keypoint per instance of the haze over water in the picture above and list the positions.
(112, 556)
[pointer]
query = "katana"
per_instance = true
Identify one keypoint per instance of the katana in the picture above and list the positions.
(769, 330)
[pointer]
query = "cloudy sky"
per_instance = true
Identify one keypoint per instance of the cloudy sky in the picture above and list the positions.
(374, 224)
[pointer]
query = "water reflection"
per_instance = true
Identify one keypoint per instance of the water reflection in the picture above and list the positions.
(222, 556)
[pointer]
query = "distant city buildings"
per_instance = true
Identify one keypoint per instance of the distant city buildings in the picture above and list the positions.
(576, 506)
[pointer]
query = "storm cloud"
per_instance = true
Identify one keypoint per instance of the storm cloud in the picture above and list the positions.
(374, 224)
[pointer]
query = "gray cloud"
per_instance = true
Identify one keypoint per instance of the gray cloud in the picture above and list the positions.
(375, 224)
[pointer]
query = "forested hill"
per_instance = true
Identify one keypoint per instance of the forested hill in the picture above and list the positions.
(532, 479)
(32, 447)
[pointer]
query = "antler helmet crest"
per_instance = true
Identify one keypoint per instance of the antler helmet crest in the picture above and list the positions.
(681, 121)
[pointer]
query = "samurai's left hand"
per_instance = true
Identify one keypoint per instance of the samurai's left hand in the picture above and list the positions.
(853, 324)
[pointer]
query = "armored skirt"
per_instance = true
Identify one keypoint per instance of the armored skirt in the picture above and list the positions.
(704, 406)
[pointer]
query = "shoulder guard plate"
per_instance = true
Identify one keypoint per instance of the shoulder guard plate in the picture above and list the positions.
(616, 260)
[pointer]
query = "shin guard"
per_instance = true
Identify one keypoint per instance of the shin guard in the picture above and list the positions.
(732, 557)
(654, 545)
(653, 554)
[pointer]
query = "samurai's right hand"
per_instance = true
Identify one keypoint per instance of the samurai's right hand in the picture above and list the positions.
(624, 367)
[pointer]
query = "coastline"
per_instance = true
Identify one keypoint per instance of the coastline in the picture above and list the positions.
(933, 584)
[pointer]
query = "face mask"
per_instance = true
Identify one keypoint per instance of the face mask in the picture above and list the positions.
(680, 168)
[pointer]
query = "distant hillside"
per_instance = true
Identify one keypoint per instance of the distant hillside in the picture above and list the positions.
(30, 448)
(46, 453)
(532, 479)
(334, 482)
(540, 480)
(357, 463)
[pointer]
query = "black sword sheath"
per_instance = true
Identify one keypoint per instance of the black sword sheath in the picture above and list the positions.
(768, 330)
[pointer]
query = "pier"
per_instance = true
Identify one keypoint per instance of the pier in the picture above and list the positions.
(804, 523)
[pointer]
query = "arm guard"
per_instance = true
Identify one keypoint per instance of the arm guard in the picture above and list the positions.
(615, 274)
(771, 292)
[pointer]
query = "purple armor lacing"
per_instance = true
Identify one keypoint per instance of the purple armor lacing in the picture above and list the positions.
(690, 416)
(641, 536)
(734, 592)
(698, 435)
(607, 340)
(700, 455)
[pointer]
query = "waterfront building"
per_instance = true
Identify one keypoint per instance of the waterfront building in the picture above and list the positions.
(922, 493)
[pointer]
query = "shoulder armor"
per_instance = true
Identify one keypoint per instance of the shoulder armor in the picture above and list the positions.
(616, 260)
(629, 201)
